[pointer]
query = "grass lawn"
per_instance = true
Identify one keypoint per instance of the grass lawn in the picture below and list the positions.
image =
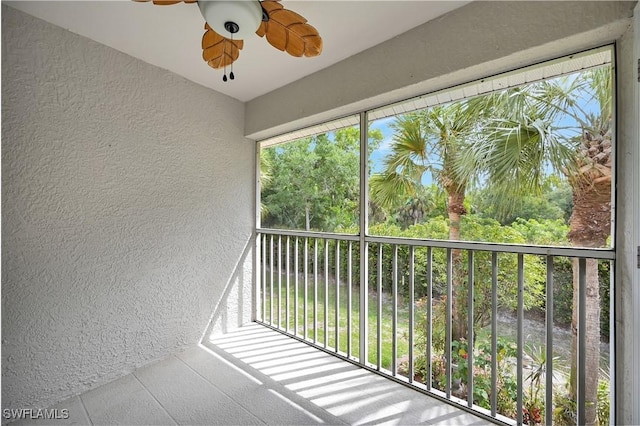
(326, 305)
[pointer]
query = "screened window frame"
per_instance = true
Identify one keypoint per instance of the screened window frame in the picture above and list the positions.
(580, 61)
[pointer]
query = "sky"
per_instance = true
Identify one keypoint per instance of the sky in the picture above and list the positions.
(586, 104)
(378, 155)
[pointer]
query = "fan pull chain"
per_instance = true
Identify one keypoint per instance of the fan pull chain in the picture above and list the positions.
(231, 76)
(224, 52)
(224, 77)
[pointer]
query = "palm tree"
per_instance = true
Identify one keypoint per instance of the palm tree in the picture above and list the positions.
(552, 125)
(590, 226)
(428, 143)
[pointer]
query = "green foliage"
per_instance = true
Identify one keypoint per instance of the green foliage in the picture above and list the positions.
(294, 190)
(565, 408)
(553, 201)
(534, 404)
(562, 291)
(604, 273)
(542, 232)
(477, 229)
(564, 411)
(473, 229)
(603, 409)
(313, 183)
(507, 385)
(507, 394)
(415, 208)
(426, 145)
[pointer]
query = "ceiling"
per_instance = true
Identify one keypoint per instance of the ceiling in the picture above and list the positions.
(170, 36)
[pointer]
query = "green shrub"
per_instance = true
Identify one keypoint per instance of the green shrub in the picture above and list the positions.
(564, 411)
(603, 409)
(506, 381)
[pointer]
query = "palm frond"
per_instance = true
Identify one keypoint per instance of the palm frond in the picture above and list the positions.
(387, 188)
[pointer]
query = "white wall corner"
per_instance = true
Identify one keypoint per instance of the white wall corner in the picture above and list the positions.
(635, 190)
(235, 306)
(627, 298)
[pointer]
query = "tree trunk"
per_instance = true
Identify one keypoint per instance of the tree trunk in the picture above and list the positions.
(455, 211)
(307, 218)
(590, 226)
(592, 328)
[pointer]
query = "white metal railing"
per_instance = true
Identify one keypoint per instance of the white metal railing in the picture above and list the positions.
(318, 271)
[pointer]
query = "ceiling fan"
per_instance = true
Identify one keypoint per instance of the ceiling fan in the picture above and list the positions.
(229, 22)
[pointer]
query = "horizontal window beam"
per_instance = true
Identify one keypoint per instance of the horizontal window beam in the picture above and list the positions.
(591, 253)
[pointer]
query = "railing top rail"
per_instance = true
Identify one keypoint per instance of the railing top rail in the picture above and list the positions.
(591, 253)
(584, 252)
(309, 234)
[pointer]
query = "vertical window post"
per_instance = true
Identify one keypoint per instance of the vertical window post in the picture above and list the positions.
(364, 230)
(255, 300)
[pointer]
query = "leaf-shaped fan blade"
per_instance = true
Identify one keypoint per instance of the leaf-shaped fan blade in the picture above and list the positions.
(168, 2)
(288, 31)
(218, 51)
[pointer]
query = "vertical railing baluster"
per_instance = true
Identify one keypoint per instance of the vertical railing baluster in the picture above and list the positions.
(429, 315)
(315, 290)
(363, 324)
(470, 330)
(379, 311)
(613, 385)
(520, 337)
(548, 402)
(349, 296)
(494, 333)
(582, 341)
(296, 281)
(271, 280)
(326, 293)
(288, 283)
(264, 277)
(394, 315)
(306, 287)
(447, 332)
(279, 281)
(256, 292)
(411, 308)
(337, 312)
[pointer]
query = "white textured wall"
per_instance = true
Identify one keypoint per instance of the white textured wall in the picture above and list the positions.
(475, 41)
(127, 207)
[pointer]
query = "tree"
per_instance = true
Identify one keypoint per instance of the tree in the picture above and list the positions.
(314, 181)
(415, 208)
(293, 190)
(590, 224)
(564, 125)
(555, 202)
(266, 177)
(427, 144)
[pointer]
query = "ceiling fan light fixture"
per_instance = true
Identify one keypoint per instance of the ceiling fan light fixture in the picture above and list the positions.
(237, 19)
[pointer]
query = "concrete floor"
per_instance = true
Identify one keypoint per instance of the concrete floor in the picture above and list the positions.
(255, 375)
